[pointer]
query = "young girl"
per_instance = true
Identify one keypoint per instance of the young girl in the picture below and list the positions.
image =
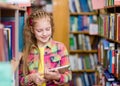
(41, 53)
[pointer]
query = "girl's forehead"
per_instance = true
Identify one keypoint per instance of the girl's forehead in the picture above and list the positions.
(42, 22)
(42, 19)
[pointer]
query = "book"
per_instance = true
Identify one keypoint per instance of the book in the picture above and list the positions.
(77, 5)
(2, 49)
(8, 38)
(20, 34)
(9, 22)
(116, 2)
(109, 76)
(98, 4)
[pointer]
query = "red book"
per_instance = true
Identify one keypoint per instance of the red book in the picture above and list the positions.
(116, 2)
(118, 28)
(2, 50)
(113, 61)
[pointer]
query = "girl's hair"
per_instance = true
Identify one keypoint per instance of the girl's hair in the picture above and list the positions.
(29, 37)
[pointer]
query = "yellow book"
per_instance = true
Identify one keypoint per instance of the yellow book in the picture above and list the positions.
(41, 64)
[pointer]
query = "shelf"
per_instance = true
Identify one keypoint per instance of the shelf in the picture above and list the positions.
(83, 32)
(83, 51)
(114, 6)
(112, 9)
(80, 32)
(10, 6)
(88, 70)
(87, 33)
(84, 13)
(112, 40)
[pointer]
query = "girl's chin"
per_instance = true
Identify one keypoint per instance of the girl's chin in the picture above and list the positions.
(45, 41)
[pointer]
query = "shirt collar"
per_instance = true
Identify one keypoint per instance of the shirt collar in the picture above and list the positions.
(50, 44)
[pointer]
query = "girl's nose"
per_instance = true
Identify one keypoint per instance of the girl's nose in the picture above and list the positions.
(44, 32)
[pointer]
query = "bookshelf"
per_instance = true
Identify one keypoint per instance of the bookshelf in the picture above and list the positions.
(61, 21)
(12, 18)
(82, 48)
(108, 33)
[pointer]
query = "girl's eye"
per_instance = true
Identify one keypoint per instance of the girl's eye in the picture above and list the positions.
(47, 29)
(39, 30)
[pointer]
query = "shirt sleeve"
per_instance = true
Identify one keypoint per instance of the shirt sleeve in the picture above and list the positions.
(24, 80)
(67, 75)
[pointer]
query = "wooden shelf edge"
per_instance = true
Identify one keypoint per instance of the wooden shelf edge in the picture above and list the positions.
(83, 32)
(83, 51)
(10, 6)
(84, 13)
(112, 40)
(87, 70)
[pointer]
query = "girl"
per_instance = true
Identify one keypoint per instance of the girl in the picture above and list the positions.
(35, 68)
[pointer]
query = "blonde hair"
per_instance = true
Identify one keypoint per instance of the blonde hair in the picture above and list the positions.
(29, 37)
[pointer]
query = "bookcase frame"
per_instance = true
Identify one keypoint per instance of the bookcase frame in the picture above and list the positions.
(9, 10)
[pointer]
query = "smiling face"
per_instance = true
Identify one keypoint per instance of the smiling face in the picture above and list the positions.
(42, 31)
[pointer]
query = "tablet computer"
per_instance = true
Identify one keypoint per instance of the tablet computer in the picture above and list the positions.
(61, 69)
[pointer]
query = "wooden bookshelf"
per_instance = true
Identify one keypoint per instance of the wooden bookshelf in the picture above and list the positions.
(61, 21)
(114, 9)
(83, 40)
(13, 13)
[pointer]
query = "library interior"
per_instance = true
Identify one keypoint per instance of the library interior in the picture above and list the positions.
(89, 29)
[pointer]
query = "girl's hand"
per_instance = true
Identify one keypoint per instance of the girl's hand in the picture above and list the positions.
(51, 75)
(37, 78)
(14, 64)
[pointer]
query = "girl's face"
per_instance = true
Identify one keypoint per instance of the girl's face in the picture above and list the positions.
(42, 30)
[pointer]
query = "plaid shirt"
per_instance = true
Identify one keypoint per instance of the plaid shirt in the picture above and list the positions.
(55, 55)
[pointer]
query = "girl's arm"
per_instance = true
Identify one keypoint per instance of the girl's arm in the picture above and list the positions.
(30, 78)
(67, 75)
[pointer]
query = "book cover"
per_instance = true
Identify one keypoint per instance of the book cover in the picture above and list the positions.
(77, 5)
(116, 2)
(2, 49)
(11, 23)
(20, 30)
(8, 35)
(84, 5)
(98, 4)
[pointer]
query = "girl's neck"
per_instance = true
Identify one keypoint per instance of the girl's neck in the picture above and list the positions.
(40, 44)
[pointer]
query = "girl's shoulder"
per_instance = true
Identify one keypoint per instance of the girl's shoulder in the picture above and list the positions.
(58, 43)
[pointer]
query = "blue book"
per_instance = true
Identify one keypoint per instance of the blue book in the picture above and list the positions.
(20, 31)
(84, 5)
(109, 76)
(83, 80)
(8, 28)
(110, 61)
(105, 44)
(80, 23)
